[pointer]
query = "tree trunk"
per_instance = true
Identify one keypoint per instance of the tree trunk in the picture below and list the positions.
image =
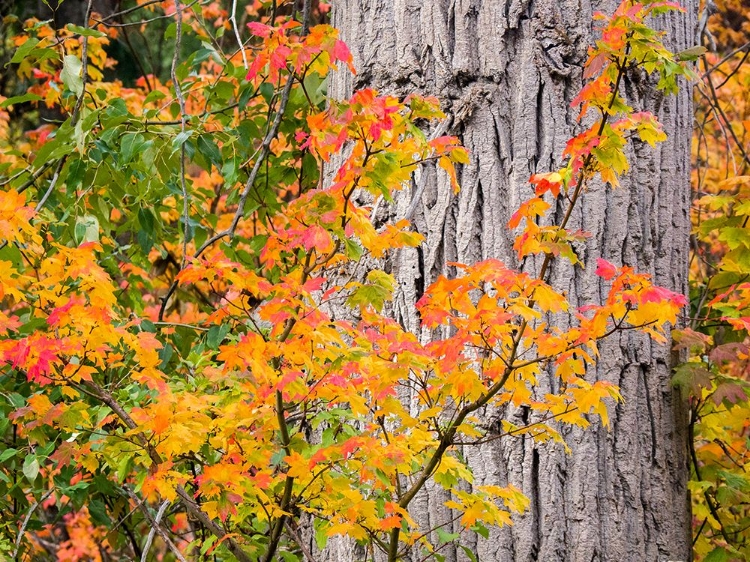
(506, 72)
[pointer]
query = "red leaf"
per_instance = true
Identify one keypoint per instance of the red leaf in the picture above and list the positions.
(318, 238)
(341, 51)
(605, 270)
(739, 323)
(729, 392)
(547, 182)
(259, 29)
(729, 353)
(594, 65)
(279, 56)
(660, 294)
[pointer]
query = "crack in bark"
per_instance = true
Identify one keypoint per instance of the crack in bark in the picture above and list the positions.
(652, 422)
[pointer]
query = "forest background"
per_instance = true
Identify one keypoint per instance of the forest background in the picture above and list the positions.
(172, 381)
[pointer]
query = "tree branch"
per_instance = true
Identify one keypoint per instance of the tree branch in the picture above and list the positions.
(22, 530)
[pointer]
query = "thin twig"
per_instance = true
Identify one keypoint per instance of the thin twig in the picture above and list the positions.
(182, 325)
(447, 439)
(141, 22)
(22, 530)
(233, 20)
(183, 124)
(442, 128)
(34, 176)
(712, 507)
(133, 9)
(154, 527)
(286, 498)
(716, 107)
(76, 110)
(84, 67)
(302, 546)
(52, 184)
(744, 47)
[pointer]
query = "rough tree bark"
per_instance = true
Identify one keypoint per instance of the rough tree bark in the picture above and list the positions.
(505, 72)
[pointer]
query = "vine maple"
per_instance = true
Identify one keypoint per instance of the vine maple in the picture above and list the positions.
(169, 253)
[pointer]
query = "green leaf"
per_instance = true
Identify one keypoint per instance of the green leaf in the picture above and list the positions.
(691, 378)
(30, 468)
(171, 31)
(470, 555)
(377, 290)
(20, 99)
(718, 554)
(207, 147)
(693, 53)
(735, 237)
(124, 467)
(23, 51)
(353, 250)
(481, 530)
(321, 533)
(146, 220)
(87, 229)
(7, 453)
(735, 480)
(98, 512)
(180, 139)
(165, 354)
(445, 537)
(71, 74)
(85, 31)
(129, 145)
(216, 335)
(208, 543)
(266, 90)
(16, 400)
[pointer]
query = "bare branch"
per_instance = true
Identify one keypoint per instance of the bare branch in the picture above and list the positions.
(22, 530)
(154, 527)
(183, 123)
(233, 19)
(84, 67)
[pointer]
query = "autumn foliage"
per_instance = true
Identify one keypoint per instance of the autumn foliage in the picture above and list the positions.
(715, 377)
(197, 354)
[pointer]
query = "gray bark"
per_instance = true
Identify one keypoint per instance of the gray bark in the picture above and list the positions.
(506, 71)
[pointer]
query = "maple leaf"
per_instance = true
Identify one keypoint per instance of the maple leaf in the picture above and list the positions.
(534, 207)
(316, 237)
(687, 338)
(378, 289)
(729, 352)
(654, 294)
(739, 323)
(551, 181)
(259, 29)
(692, 378)
(730, 392)
(605, 269)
